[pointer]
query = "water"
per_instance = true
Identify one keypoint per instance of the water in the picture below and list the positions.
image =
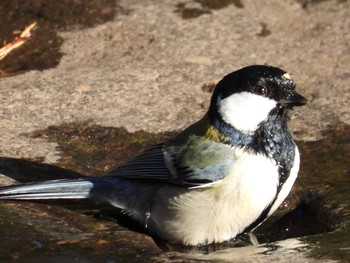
(312, 224)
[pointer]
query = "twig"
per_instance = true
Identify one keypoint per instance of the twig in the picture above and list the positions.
(19, 41)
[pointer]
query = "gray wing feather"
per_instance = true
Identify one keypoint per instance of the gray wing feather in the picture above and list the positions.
(152, 166)
(149, 165)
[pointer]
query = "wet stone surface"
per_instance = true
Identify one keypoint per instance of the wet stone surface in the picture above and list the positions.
(94, 150)
(318, 203)
(31, 232)
(200, 7)
(42, 51)
(120, 64)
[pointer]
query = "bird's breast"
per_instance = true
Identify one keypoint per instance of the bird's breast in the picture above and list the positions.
(246, 191)
(223, 209)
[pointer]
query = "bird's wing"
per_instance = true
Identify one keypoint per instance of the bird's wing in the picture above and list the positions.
(180, 165)
(149, 165)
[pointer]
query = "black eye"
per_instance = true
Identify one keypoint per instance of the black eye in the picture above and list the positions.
(260, 90)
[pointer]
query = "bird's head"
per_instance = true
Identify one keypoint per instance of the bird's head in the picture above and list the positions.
(249, 96)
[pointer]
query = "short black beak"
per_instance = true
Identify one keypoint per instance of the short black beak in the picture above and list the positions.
(295, 99)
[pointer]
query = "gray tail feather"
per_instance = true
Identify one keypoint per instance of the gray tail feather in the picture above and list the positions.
(53, 189)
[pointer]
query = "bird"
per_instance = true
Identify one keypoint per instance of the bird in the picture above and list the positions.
(221, 177)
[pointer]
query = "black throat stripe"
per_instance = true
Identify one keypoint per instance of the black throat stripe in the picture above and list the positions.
(271, 139)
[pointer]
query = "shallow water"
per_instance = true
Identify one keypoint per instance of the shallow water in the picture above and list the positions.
(312, 223)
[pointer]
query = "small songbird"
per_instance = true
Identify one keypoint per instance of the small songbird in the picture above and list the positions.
(220, 177)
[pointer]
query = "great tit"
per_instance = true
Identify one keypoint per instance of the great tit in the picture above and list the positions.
(220, 177)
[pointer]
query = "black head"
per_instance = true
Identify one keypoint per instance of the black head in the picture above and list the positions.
(248, 96)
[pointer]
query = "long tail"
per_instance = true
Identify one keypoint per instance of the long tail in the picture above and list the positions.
(133, 197)
(53, 189)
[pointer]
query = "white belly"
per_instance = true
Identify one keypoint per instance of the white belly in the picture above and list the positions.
(221, 210)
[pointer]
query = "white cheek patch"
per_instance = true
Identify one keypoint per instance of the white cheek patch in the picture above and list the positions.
(245, 110)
